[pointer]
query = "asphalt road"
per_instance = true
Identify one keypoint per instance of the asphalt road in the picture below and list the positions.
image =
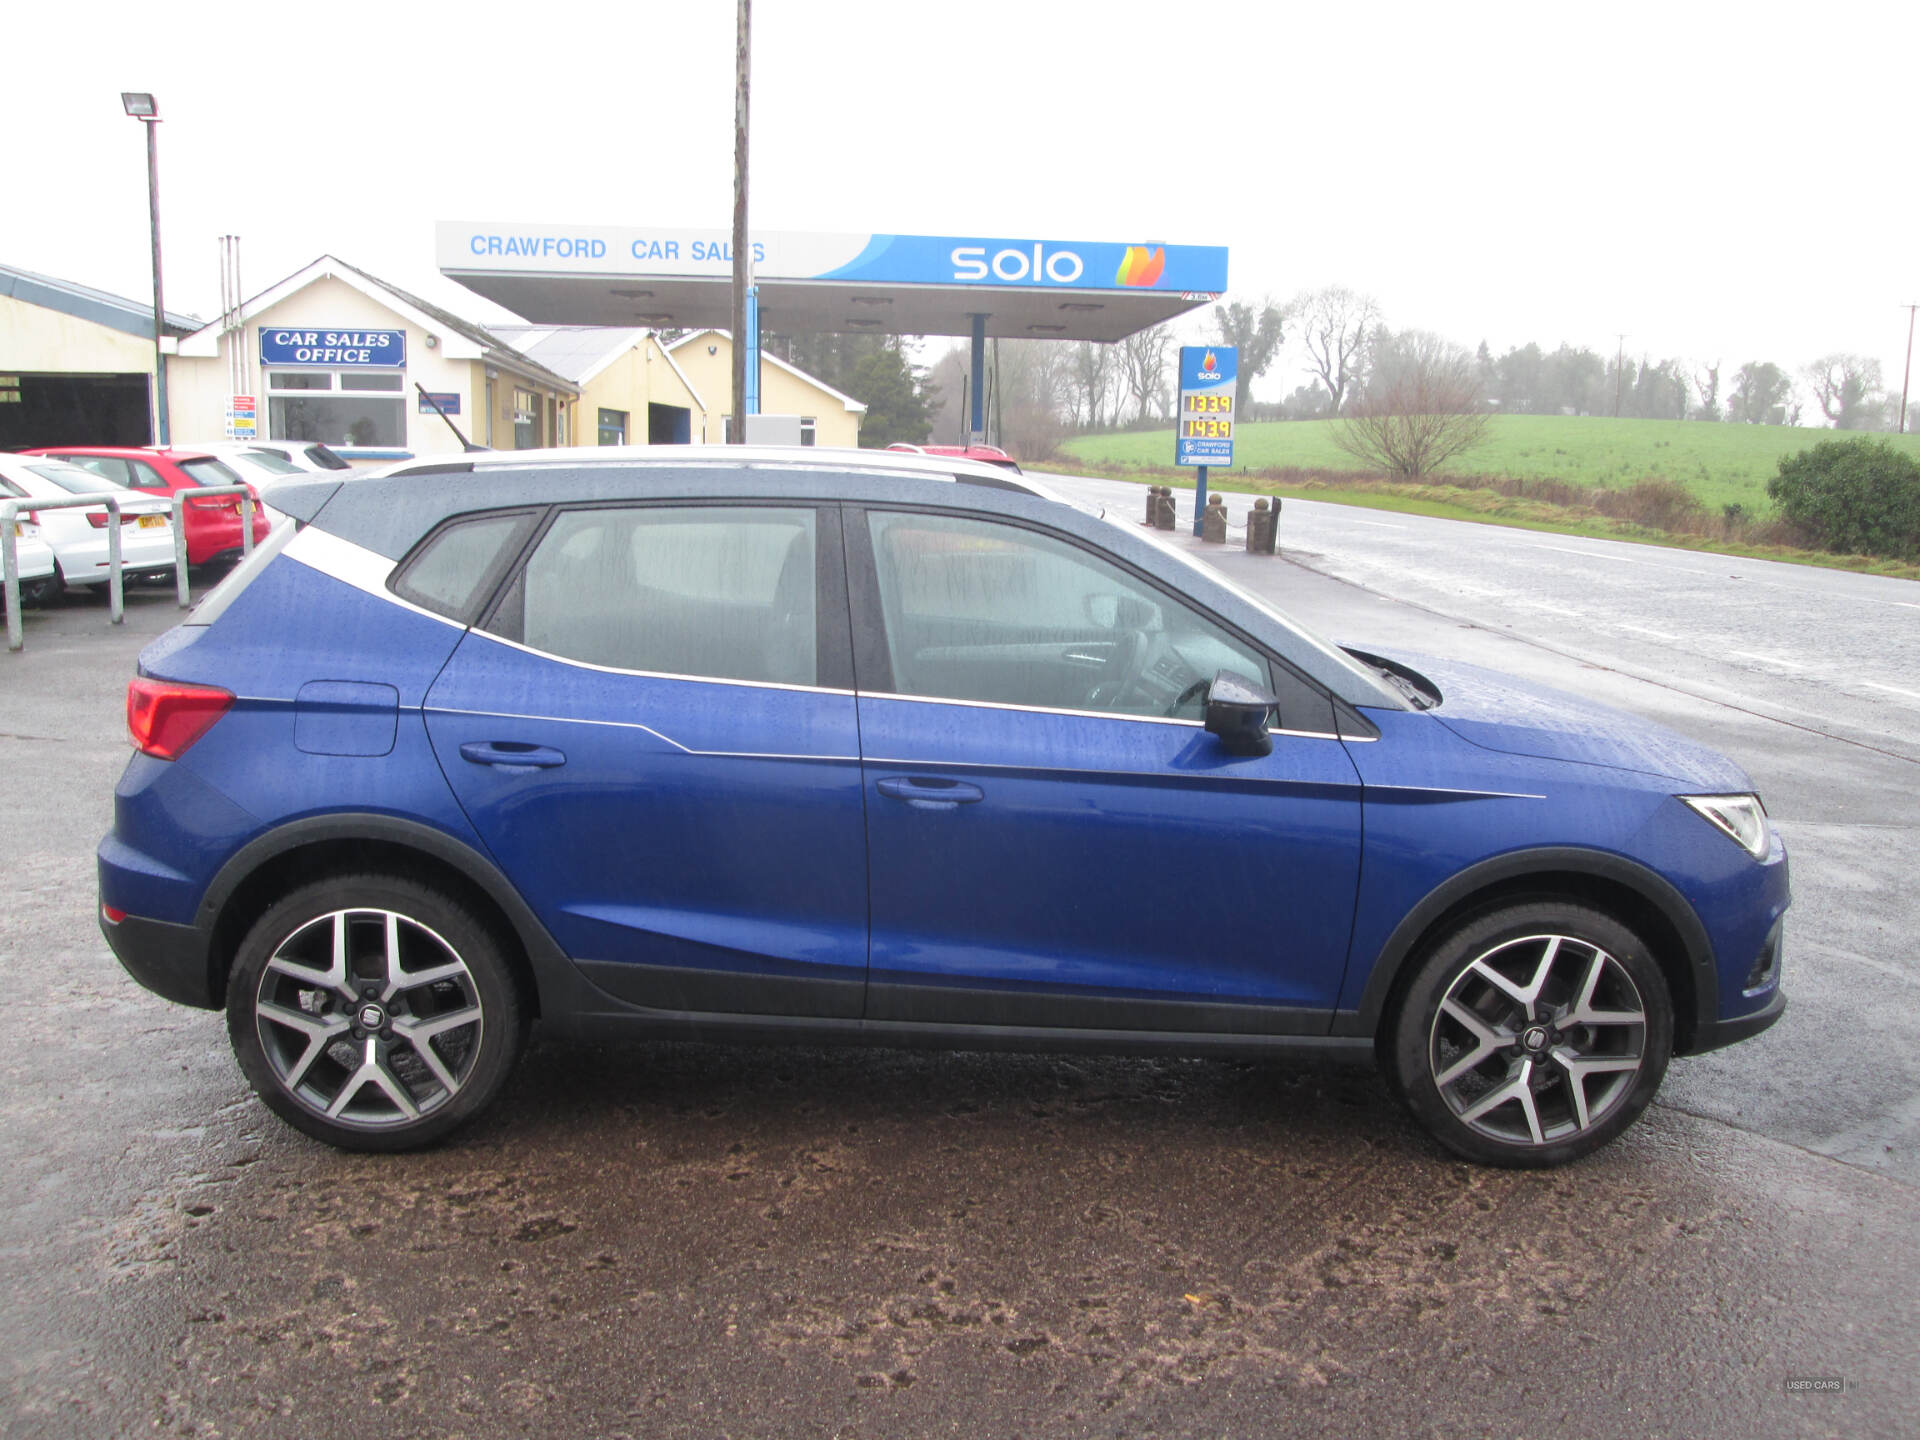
(680, 1240)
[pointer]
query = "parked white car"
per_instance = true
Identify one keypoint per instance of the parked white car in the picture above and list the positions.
(258, 462)
(308, 455)
(34, 559)
(78, 537)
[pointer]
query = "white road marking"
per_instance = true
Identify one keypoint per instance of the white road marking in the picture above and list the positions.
(1768, 659)
(1377, 524)
(1643, 630)
(1594, 555)
(1892, 689)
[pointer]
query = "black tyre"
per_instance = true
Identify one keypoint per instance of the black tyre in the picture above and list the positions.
(373, 1013)
(1533, 1035)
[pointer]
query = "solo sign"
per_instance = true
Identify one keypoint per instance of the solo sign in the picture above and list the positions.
(340, 349)
(1203, 423)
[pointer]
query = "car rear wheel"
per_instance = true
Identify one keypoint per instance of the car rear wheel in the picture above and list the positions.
(373, 1013)
(1533, 1035)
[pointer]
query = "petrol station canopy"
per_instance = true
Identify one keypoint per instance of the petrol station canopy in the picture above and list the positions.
(885, 284)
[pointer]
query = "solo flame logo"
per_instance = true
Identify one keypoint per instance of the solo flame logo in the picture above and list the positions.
(1141, 265)
(1209, 365)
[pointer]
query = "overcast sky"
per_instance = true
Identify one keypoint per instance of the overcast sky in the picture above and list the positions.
(1736, 181)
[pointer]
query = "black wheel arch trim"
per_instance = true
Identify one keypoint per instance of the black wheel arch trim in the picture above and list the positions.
(558, 984)
(1544, 862)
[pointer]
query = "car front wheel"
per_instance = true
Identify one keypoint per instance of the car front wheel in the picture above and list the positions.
(373, 1013)
(1533, 1035)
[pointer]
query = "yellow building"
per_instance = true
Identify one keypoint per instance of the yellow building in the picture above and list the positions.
(826, 416)
(76, 364)
(632, 392)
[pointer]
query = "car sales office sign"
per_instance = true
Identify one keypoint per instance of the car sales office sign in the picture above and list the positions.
(1203, 433)
(337, 349)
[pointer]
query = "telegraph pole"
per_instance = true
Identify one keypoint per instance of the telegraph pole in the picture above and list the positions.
(1619, 372)
(1907, 373)
(740, 278)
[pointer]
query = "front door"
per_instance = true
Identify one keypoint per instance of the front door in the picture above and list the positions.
(654, 734)
(1054, 838)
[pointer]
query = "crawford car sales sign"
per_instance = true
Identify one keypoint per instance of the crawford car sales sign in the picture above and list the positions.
(339, 349)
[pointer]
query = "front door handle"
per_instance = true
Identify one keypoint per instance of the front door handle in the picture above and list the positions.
(926, 793)
(511, 755)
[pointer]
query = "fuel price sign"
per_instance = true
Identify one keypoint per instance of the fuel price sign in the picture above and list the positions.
(1203, 423)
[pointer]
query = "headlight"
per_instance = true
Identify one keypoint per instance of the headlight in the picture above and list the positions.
(1741, 816)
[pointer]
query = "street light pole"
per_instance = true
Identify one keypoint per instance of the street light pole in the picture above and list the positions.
(142, 107)
(742, 341)
(1907, 373)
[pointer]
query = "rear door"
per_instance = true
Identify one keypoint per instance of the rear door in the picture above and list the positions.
(655, 734)
(1055, 840)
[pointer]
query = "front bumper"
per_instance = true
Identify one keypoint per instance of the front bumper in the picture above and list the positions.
(1714, 1034)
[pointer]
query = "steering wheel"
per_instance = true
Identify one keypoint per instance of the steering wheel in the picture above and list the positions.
(1135, 653)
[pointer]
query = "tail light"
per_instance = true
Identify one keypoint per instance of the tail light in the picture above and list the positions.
(214, 502)
(97, 519)
(165, 717)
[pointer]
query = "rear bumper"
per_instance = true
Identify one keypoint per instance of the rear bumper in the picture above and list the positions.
(170, 960)
(214, 533)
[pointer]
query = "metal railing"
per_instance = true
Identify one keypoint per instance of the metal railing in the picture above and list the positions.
(11, 511)
(181, 499)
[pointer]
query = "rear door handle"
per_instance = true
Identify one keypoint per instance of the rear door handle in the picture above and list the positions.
(511, 755)
(926, 793)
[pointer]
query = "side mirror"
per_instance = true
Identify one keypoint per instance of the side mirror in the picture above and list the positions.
(1237, 711)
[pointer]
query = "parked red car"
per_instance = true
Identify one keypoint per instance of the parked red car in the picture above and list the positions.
(213, 523)
(992, 454)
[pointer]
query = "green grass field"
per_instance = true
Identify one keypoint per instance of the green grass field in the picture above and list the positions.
(1721, 464)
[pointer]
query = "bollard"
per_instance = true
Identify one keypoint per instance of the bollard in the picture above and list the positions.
(1153, 505)
(1163, 517)
(1213, 521)
(1263, 528)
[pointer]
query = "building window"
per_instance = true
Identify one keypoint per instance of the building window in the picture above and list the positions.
(337, 407)
(726, 429)
(806, 430)
(613, 427)
(526, 420)
(489, 438)
(560, 423)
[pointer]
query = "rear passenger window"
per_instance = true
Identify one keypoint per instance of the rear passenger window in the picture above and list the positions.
(448, 572)
(726, 592)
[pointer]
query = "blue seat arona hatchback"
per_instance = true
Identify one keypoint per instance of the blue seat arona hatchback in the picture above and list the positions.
(806, 746)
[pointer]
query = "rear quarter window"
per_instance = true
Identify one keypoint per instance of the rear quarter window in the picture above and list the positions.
(455, 568)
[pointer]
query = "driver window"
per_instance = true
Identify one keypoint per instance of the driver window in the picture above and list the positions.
(977, 610)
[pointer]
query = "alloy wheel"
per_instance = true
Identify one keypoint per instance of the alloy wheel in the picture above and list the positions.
(369, 1018)
(1538, 1039)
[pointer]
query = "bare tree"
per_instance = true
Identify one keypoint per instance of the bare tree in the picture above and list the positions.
(1144, 356)
(1256, 332)
(1034, 388)
(1093, 371)
(1847, 390)
(1336, 325)
(1706, 382)
(1421, 406)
